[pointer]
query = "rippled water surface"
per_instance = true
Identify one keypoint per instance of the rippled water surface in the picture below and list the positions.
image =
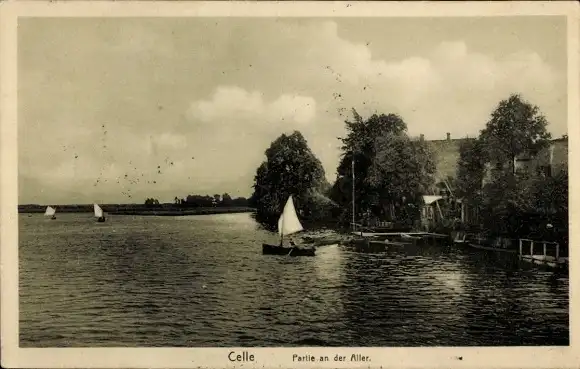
(203, 281)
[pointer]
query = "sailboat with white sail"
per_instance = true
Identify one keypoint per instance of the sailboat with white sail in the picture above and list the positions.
(288, 224)
(99, 213)
(50, 212)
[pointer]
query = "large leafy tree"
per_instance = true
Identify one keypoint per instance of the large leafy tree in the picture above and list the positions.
(551, 201)
(515, 127)
(522, 205)
(470, 169)
(226, 200)
(367, 144)
(402, 170)
(290, 168)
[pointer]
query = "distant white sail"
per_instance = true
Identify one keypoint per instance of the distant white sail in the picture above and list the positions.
(98, 211)
(289, 222)
(50, 211)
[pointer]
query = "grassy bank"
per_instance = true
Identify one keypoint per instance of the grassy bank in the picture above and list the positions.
(137, 209)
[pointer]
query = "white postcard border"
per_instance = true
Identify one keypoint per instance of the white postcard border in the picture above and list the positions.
(472, 357)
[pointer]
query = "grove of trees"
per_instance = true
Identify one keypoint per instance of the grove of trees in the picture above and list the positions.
(392, 171)
(513, 203)
(150, 202)
(204, 201)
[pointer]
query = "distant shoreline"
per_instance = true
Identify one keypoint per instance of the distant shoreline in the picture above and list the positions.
(137, 209)
(202, 211)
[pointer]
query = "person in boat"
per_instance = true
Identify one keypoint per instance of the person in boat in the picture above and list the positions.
(293, 244)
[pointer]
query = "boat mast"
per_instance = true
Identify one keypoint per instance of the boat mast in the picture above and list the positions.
(353, 206)
(281, 228)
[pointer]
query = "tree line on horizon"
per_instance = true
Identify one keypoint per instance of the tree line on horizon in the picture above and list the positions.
(392, 171)
(202, 201)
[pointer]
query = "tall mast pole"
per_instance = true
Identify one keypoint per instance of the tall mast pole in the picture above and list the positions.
(353, 204)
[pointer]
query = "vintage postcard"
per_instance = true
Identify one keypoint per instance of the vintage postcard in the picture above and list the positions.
(289, 184)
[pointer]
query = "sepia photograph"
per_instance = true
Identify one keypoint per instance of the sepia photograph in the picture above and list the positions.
(288, 181)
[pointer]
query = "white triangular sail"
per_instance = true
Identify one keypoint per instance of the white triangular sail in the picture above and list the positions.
(50, 211)
(98, 211)
(288, 223)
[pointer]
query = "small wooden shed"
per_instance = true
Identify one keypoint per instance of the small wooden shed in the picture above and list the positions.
(431, 212)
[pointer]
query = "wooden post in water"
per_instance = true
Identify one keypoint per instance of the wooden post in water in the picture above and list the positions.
(557, 251)
(544, 250)
(520, 247)
(532, 249)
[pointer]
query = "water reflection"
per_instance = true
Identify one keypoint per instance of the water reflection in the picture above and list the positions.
(203, 281)
(513, 301)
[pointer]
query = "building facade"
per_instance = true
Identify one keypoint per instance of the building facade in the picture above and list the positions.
(549, 162)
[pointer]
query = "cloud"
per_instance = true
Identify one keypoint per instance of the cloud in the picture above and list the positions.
(228, 103)
(202, 109)
(232, 127)
(165, 142)
(292, 108)
(450, 88)
(232, 103)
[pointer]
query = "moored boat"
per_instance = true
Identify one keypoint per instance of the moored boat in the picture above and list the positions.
(288, 224)
(291, 251)
(498, 245)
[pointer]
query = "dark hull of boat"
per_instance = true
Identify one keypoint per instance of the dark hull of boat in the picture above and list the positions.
(491, 248)
(101, 220)
(385, 229)
(291, 251)
(53, 218)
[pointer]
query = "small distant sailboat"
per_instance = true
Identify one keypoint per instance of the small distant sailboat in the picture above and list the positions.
(288, 224)
(50, 212)
(99, 213)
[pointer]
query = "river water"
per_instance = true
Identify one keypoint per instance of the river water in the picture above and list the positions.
(201, 281)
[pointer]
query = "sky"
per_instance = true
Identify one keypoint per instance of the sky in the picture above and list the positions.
(116, 110)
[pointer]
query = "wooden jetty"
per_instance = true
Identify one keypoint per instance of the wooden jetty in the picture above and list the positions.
(399, 234)
(380, 241)
(527, 248)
